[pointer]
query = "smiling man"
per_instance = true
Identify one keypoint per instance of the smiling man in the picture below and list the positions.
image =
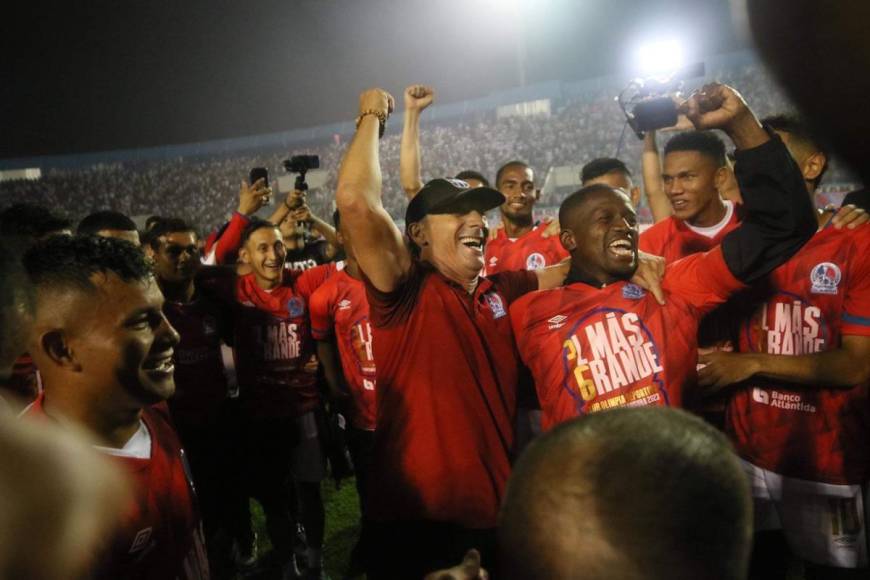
(520, 244)
(447, 366)
(105, 350)
(600, 342)
(694, 172)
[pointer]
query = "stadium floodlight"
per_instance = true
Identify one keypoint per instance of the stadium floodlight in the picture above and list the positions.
(661, 57)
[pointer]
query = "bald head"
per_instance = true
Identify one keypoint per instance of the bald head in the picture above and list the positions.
(631, 493)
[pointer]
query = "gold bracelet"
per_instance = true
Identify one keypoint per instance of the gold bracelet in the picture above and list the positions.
(382, 119)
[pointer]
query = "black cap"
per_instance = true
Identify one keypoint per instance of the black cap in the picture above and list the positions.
(451, 196)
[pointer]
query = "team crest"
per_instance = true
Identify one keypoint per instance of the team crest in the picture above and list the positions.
(825, 278)
(295, 307)
(633, 292)
(495, 304)
(344, 305)
(535, 261)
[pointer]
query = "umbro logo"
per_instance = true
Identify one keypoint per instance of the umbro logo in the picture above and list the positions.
(140, 542)
(344, 305)
(557, 321)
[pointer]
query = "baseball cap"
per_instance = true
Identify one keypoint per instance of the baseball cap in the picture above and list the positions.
(451, 196)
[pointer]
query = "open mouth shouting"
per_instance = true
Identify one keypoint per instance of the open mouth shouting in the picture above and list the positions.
(621, 248)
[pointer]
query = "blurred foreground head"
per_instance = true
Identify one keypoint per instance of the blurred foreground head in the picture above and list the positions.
(821, 55)
(634, 493)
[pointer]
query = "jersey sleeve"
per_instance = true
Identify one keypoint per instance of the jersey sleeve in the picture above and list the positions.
(320, 310)
(856, 306)
(392, 308)
(310, 280)
(703, 280)
(513, 285)
(779, 217)
(227, 242)
(652, 240)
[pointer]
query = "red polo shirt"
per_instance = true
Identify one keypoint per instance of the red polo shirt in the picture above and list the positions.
(447, 370)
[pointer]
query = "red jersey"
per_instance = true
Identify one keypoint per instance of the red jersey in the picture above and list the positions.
(160, 536)
(200, 382)
(673, 239)
(446, 399)
(592, 349)
(806, 306)
(340, 308)
(528, 252)
(272, 341)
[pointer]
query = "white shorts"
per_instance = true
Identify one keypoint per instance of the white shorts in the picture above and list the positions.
(823, 523)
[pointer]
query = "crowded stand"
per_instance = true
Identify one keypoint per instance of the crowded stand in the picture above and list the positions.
(657, 369)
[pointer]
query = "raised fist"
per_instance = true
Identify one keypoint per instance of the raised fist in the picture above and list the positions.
(418, 97)
(376, 100)
(715, 106)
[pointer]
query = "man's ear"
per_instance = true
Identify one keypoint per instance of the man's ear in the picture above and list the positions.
(720, 178)
(55, 345)
(568, 240)
(417, 234)
(244, 255)
(814, 165)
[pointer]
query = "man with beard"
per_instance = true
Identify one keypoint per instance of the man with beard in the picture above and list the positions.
(104, 348)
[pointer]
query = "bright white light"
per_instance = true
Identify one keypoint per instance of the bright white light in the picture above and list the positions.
(660, 58)
(511, 7)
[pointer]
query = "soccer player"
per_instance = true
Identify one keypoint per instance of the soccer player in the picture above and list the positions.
(222, 245)
(446, 361)
(599, 342)
(104, 348)
(613, 172)
(110, 224)
(639, 494)
(798, 411)
(521, 243)
(694, 172)
(199, 406)
(340, 324)
(278, 397)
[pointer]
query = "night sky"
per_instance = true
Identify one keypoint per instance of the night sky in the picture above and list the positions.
(98, 75)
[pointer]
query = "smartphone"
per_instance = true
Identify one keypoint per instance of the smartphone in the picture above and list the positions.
(259, 173)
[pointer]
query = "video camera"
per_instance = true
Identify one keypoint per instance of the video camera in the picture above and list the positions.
(301, 164)
(648, 104)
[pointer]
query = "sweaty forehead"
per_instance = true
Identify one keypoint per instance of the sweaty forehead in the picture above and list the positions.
(179, 238)
(517, 173)
(265, 235)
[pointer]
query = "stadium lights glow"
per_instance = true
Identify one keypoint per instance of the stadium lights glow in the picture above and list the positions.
(660, 58)
(505, 6)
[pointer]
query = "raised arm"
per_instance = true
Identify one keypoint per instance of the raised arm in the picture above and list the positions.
(653, 185)
(377, 242)
(417, 98)
(780, 217)
(225, 244)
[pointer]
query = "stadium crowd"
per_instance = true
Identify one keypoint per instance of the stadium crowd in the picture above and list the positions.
(203, 188)
(566, 398)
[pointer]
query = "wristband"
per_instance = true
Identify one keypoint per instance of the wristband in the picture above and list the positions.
(382, 119)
